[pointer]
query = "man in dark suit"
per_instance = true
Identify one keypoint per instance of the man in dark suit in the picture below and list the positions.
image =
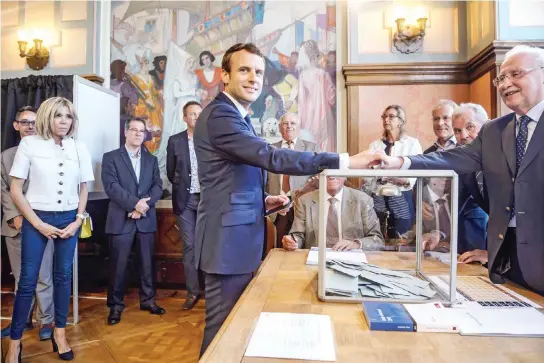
(182, 171)
(509, 151)
(231, 159)
(131, 180)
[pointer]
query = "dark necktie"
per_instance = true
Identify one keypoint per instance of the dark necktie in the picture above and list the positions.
(444, 224)
(333, 234)
(248, 120)
(521, 143)
(521, 139)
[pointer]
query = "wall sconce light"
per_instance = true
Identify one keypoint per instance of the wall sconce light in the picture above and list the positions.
(409, 38)
(37, 57)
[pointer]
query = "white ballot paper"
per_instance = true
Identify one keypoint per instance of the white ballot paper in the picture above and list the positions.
(294, 336)
(356, 256)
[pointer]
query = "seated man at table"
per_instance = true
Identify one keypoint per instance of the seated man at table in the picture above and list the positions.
(351, 220)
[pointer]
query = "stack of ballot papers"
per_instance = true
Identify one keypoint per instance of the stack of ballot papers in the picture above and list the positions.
(349, 278)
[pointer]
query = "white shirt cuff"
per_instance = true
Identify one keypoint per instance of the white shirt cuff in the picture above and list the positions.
(407, 163)
(344, 161)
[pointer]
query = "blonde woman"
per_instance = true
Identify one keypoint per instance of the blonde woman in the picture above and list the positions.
(57, 169)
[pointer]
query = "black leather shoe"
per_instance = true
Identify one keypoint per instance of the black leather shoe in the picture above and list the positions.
(153, 309)
(190, 302)
(114, 317)
(69, 355)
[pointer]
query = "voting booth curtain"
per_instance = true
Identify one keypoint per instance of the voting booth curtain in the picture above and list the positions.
(29, 91)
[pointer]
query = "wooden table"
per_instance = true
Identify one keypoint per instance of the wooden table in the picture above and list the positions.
(285, 284)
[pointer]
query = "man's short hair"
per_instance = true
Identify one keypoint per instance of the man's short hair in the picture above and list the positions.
(480, 114)
(443, 103)
(138, 119)
(188, 104)
(248, 47)
(24, 109)
(288, 114)
(209, 54)
(537, 53)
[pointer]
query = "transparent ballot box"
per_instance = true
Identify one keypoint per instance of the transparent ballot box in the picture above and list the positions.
(392, 237)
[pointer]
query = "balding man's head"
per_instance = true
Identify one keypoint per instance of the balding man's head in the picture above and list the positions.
(289, 126)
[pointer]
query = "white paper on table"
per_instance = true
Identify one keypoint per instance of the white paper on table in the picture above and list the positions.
(524, 322)
(293, 336)
(356, 256)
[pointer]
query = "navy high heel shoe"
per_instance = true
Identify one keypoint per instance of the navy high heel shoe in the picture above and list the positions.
(64, 356)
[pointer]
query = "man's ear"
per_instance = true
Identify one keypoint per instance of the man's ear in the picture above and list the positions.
(16, 125)
(225, 77)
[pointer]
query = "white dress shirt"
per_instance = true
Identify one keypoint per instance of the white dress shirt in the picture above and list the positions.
(450, 144)
(54, 172)
(136, 161)
(406, 146)
(344, 157)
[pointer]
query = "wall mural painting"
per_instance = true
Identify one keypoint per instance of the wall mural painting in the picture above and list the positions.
(166, 53)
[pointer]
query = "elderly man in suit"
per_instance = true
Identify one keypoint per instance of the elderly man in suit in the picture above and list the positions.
(231, 158)
(278, 184)
(352, 222)
(182, 171)
(442, 126)
(12, 221)
(131, 180)
(509, 151)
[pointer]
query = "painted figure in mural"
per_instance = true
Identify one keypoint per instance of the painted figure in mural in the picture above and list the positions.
(316, 97)
(158, 73)
(209, 78)
(330, 65)
(289, 63)
(119, 81)
(149, 104)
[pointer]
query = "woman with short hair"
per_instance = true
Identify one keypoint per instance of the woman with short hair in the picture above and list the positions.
(57, 168)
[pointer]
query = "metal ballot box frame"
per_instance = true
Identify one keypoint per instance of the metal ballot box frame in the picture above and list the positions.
(445, 298)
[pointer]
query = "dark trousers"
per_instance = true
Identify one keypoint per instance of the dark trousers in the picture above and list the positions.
(120, 246)
(222, 293)
(186, 224)
(32, 248)
(283, 226)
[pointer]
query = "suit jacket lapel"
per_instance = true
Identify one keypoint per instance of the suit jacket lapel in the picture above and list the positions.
(509, 144)
(144, 159)
(124, 155)
(185, 148)
(314, 211)
(535, 145)
(299, 145)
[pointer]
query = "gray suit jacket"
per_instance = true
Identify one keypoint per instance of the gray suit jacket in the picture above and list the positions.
(494, 152)
(296, 181)
(359, 220)
(9, 209)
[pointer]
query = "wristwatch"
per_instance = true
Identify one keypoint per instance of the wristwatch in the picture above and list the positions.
(83, 216)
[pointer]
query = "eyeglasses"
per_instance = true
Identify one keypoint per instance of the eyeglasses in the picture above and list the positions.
(26, 123)
(390, 117)
(136, 131)
(513, 75)
(438, 118)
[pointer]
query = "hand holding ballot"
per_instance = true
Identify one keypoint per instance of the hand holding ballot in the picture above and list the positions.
(273, 202)
(365, 160)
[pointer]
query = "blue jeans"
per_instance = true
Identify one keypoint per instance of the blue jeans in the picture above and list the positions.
(32, 248)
